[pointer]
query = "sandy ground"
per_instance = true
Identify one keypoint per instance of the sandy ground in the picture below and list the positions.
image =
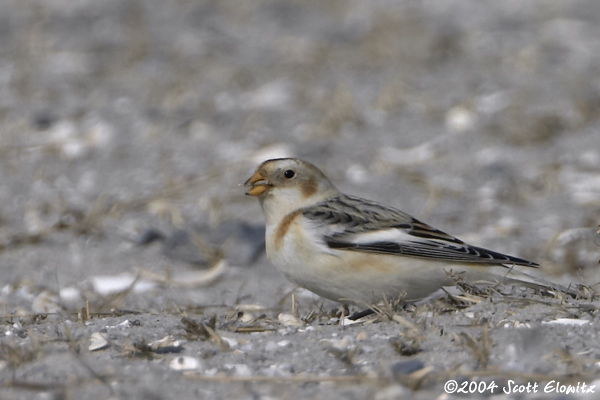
(125, 121)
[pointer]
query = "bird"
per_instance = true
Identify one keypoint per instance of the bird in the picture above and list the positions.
(359, 252)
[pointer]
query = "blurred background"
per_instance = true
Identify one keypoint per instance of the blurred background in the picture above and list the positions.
(126, 127)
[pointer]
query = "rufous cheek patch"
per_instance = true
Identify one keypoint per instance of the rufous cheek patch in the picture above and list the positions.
(309, 188)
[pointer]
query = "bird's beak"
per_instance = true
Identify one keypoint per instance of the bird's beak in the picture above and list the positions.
(258, 184)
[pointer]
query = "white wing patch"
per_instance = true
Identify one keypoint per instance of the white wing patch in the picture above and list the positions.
(383, 235)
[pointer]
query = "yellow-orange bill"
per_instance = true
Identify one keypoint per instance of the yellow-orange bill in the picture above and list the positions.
(257, 190)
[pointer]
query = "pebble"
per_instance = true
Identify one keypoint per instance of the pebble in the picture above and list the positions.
(407, 367)
(66, 138)
(98, 342)
(460, 119)
(289, 320)
(278, 370)
(363, 335)
(110, 284)
(124, 324)
(567, 321)
(185, 363)
(239, 370)
(231, 342)
(247, 317)
(70, 296)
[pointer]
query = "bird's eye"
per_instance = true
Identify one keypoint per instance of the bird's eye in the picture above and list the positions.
(289, 174)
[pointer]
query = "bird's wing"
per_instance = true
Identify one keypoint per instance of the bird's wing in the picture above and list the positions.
(353, 224)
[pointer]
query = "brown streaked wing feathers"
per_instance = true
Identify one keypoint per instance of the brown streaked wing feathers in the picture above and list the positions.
(357, 216)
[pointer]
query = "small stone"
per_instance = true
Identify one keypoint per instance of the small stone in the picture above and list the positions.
(289, 320)
(240, 370)
(407, 367)
(231, 342)
(567, 321)
(185, 363)
(247, 317)
(70, 296)
(363, 335)
(98, 342)
(124, 324)
(278, 370)
(460, 119)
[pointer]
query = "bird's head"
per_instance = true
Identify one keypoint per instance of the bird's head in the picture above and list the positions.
(289, 184)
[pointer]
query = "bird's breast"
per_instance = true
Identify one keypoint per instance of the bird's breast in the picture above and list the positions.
(294, 246)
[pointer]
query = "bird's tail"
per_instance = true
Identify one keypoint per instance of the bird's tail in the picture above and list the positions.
(517, 277)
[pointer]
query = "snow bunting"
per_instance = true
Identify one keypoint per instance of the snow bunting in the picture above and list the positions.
(357, 251)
